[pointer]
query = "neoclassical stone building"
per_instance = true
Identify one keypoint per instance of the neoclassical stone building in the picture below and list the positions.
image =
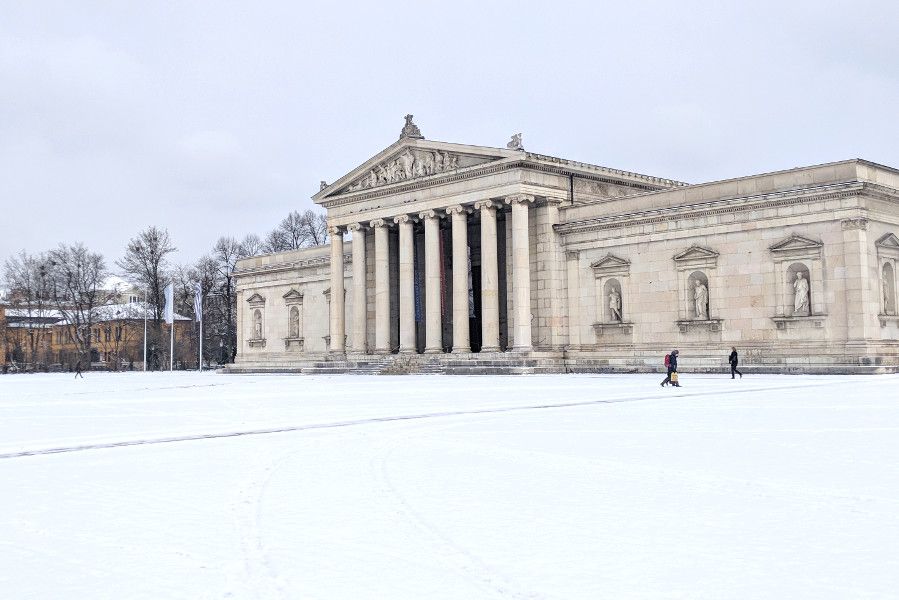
(455, 258)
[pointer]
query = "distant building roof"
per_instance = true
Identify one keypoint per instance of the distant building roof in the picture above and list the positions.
(22, 317)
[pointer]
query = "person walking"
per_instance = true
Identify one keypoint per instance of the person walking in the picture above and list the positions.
(78, 370)
(671, 363)
(733, 359)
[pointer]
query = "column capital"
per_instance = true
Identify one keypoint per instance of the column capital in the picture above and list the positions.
(486, 205)
(554, 201)
(356, 227)
(572, 254)
(377, 223)
(429, 214)
(402, 219)
(334, 230)
(518, 198)
(457, 209)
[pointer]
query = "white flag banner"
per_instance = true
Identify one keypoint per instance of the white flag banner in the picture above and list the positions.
(168, 312)
(198, 302)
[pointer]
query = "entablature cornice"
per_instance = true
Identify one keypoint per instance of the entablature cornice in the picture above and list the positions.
(296, 265)
(644, 183)
(713, 208)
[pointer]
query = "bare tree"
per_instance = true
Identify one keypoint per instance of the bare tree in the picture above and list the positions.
(251, 245)
(29, 286)
(146, 265)
(316, 225)
(226, 253)
(76, 279)
(298, 230)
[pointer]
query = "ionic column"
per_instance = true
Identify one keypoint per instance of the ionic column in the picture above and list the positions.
(359, 301)
(521, 272)
(433, 324)
(382, 287)
(337, 330)
(407, 285)
(489, 278)
(461, 341)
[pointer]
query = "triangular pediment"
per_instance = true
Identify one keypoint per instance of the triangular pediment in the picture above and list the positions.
(609, 260)
(888, 240)
(412, 160)
(610, 264)
(795, 242)
(256, 298)
(293, 295)
(696, 253)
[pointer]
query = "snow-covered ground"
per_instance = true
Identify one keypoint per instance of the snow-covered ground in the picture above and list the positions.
(196, 486)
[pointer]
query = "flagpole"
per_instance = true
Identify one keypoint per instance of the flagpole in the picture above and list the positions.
(172, 332)
(145, 328)
(200, 368)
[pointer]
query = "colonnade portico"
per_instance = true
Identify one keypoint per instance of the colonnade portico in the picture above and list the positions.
(432, 280)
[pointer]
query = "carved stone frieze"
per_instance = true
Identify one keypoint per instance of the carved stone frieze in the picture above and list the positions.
(413, 163)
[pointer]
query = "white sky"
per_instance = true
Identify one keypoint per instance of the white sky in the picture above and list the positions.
(218, 118)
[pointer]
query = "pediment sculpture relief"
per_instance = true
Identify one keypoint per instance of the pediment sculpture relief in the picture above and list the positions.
(410, 164)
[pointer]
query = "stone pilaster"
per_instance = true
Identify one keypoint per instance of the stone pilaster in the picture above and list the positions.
(382, 287)
(407, 285)
(489, 278)
(433, 321)
(862, 304)
(461, 334)
(521, 272)
(337, 329)
(574, 289)
(359, 300)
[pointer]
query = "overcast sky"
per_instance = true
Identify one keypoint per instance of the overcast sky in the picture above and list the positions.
(218, 118)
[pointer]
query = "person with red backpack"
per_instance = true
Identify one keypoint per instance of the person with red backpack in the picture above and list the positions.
(671, 365)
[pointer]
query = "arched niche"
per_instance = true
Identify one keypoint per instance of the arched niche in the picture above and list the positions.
(698, 296)
(614, 301)
(798, 290)
(888, 289)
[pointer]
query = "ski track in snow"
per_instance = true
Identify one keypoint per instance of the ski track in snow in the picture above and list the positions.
(680, 394)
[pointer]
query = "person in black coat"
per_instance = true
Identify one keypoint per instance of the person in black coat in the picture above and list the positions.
(733, 359)
(672, 368)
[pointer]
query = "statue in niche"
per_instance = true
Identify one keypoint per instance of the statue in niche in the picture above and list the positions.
(615, 304)
(800, 298)
(701, 301)
(257, 325)
(294, 323)
(515, 143)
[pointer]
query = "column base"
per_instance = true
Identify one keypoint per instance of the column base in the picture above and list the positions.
(408, 351)
(381, 351)
(522, 349)
(465, 350)
(337, 355)
(490, 349)
(433, 350)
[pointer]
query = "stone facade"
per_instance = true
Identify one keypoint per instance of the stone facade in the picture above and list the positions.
(472, 255)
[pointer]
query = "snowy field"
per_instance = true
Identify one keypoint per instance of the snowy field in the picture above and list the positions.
(195, 486)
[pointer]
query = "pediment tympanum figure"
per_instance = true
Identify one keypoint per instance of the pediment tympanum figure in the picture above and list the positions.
(412, 159)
